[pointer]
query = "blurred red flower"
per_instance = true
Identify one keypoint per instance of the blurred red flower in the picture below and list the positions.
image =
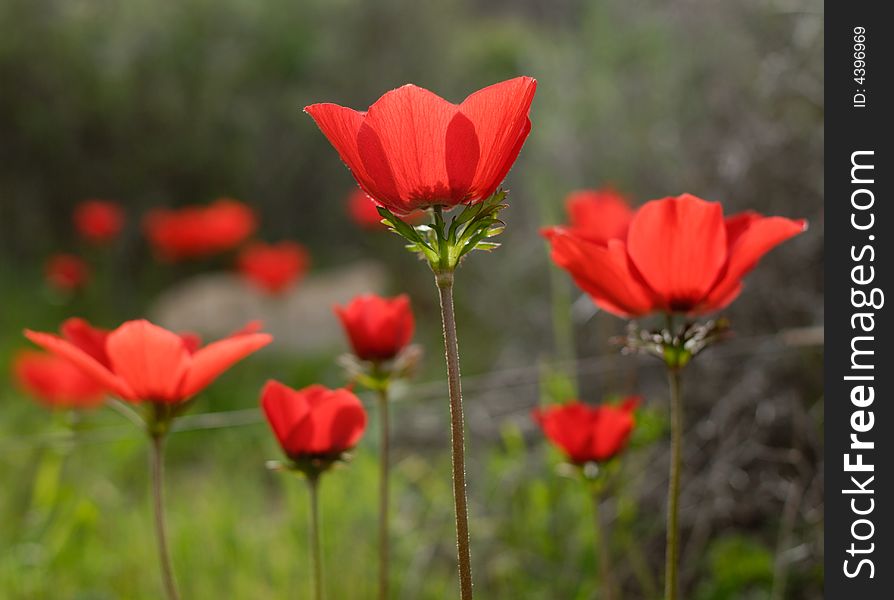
(199, 231)
(413, 149)
(273, 267)
(314, 421)
(55, 381)
(598, 215)
(587, 433)
(378, 328)
(67, 272)
(141, 362)
(98, 221)
(679, 256)
(363, 211)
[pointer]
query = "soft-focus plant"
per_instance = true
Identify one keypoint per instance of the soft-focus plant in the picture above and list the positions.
(316, 427)
(681, 258)
(158, 371)
(195, 232)
(55, 382)
(98, 222)
(413, 150)
(590, 437)
(67, 273)
(273, 268)
(379, 331)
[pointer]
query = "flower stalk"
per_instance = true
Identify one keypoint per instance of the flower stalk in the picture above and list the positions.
(164, 557)
(601, 530)
(384, 473)
(672, 547)
(313, 487)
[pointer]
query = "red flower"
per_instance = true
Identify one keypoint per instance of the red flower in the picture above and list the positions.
(378, 328)
(67, 272)
(141, 362)
(587, 433)
(55, 381)
(362, 210)
(273, 267)
(679, 255)
(413, 149)
(98, 221)
(598, 215)
(199, 231)
(314, 421)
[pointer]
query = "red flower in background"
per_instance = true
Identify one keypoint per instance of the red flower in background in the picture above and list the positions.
(587, 433)
(314, 421)
(413, 149)
(364, 212)
(679, 255)
(199, 231)
(378, 328)
(67, 272)
(598, 215)
(141, 362)
(273, 267)
(55, 381)
(98, 221)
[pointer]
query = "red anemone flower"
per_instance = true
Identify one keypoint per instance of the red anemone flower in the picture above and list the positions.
(587, 433)
(98, 221)
(199, 231)
(364, 212)
(413, 149)
(598, 215)
(142, 362)
(314, 421)
(679, 256)
(378, 328)
(67, 272)
(273, 267)
(55, 381)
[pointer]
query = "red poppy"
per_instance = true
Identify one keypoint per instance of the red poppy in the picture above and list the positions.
(98, 221)
(55, 381)
(199, 231)
(679, 256)
(413, 149)
(273, 267)
(67, 272)
(378, 328)
(314, 421)
(141, 362)
(363, 211)
(598, 215)
(587, 433)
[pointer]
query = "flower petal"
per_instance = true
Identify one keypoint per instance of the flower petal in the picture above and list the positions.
(152, 360)
(499, 114)
(679, 247)
(88, 364)
(601, 271)
(210, 362)
(752, 237)
(286, 410)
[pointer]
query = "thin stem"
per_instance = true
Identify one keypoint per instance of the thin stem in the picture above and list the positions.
(313, 485)
(383, 492)
(605, 567)
(673, 488)
(445, 290)
(164, 557)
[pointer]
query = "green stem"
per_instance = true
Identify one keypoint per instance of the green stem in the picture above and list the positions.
(605, 567)
(673, 491)
(313, 485)
(167, 572)
(445, 289)
(383, 492)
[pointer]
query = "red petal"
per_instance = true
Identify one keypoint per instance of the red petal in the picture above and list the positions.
(403, 145)
(752, 237)
(338, 421)
(152, 360)
(56, 381)
(679, 247)
(286, 410)
(88, 364)
(601, 271)
(598, 215)
(211, 361)
(91, 340)
(567, 426)
(499, 114)
(611, 430)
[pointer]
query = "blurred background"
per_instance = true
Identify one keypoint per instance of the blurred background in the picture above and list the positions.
(163, 104)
